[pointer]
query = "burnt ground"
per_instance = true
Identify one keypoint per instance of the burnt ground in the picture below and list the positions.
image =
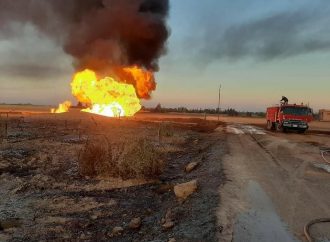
(45, 198)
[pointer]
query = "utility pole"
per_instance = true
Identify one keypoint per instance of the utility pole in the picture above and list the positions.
(219, 103)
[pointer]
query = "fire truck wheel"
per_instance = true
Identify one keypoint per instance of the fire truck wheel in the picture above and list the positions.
(278, 127)
(270, 125)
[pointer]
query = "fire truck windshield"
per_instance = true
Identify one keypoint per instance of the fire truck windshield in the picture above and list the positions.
(299, 111)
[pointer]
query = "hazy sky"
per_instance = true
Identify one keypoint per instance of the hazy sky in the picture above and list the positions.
(258, 50)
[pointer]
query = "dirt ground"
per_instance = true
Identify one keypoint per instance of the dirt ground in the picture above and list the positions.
(277, 183)
(44, 197)
(253, 185)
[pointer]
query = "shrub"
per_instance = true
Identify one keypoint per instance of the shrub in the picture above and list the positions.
(91, 158)
(141, 160)
(136, 159)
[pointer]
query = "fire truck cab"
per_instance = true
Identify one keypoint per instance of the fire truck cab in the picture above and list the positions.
(289, 117)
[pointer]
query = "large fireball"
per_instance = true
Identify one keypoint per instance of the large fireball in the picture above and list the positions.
(106, 96)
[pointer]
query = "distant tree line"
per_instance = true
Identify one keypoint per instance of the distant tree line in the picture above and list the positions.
(228, 111)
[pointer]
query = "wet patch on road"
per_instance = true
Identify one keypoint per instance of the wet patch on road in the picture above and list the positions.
(260, 222)
(244, 129)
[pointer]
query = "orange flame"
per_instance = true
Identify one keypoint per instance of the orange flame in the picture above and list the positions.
(113, 96)
(62, 108)
(106, 96)
(144, 80)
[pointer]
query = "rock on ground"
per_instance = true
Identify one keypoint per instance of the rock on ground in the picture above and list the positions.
(135, 223)
(184, 190)
(117, 231)
(168, 225)
(191, 166)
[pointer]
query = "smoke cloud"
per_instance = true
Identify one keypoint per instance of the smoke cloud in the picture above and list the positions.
(277, 36)
(101, 35)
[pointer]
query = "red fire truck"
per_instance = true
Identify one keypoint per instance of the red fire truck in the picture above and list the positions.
(289, 117)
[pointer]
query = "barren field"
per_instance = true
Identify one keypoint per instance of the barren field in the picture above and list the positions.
(50, 193)
(81, 177)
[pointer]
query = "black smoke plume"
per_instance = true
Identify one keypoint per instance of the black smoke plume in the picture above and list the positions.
(101, 35)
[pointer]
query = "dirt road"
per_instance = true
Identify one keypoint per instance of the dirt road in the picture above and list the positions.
(275, 185)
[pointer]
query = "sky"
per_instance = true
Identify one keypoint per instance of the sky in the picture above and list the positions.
(258, 50)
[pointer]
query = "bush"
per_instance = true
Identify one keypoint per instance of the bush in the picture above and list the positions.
(141, 160)
(137, 159)
(91, 158)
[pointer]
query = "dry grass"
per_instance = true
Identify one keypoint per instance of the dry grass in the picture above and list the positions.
(166, 129)
(3, 129)
(141, 160)
(134, 159)
(92, 158)
(205, 126)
